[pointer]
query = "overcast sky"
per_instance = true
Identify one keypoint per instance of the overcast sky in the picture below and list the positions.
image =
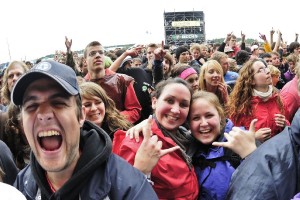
(35, 28)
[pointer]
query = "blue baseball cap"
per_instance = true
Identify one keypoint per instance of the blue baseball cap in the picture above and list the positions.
(62, 74)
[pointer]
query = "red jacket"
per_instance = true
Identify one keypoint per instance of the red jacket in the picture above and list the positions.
(119, 87)
(264, 113)
(289, 93)
(171, 176)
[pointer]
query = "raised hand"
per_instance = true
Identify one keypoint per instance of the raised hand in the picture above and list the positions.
(243, 36)
(222, 87)
(159, 53)
(68, 44)
(150, 150)
(263, 37)
(134, 51)
(272, 31)
(228, 37)
(240, 141)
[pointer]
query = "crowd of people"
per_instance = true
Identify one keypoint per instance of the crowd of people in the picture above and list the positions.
(197, 121)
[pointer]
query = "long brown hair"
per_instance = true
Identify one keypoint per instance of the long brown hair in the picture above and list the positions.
(14, 136)
(240, 98)
(112, 119)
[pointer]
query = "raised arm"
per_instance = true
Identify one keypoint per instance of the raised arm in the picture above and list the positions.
(226, 41)
(267, 46)
(243, 44)
(129, 52)
(70, 60)
(278, 41)
(157, 69)
(271, 36)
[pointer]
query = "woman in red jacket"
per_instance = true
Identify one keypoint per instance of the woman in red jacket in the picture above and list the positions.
(254, 97)
(173, 175)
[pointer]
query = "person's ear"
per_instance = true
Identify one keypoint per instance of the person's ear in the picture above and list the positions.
(154, 102)
(83, 115)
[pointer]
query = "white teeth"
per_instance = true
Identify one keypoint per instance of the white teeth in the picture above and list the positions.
(48, 133)
(205, 131)
(172, 118)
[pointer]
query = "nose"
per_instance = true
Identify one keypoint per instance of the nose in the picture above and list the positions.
(215, 74)
(15, 77)
(203, 121)
(93, 107)
(45, 115)
(195, 83)
(175, 108)
(97, 54)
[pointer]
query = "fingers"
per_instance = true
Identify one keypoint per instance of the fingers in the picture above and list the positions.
(219, 144)
(222, 87)
(147, 129)
(252, 126)
(224, 144)
(169, 150)
(279, 120)
(143, 127)
(156, 147)
(230, 137)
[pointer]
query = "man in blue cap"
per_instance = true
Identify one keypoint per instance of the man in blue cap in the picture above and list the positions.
(71, 158)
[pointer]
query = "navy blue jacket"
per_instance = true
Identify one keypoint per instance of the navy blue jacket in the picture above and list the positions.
(99, 174)
(272, 172)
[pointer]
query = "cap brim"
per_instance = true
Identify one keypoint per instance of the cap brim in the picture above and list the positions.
(24, 81)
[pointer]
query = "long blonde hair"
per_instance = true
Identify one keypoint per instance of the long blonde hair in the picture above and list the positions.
(202, 82)
(5, 93)
(204, 69)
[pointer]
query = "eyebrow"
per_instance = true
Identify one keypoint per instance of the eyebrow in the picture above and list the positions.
(62, 95)
(176, 97)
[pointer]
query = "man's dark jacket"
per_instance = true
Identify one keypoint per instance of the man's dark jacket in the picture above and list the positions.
(99, 174)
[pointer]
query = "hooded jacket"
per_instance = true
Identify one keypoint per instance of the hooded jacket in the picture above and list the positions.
(214, 166)
(99, 174)
(271, 172)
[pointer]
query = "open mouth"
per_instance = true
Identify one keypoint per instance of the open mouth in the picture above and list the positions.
(172, 118)
(206, 131)
(50, 140)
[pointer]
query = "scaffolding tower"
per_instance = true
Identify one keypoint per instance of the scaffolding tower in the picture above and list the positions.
(184, 27)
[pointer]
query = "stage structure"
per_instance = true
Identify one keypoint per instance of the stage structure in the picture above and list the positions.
(184, 27)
